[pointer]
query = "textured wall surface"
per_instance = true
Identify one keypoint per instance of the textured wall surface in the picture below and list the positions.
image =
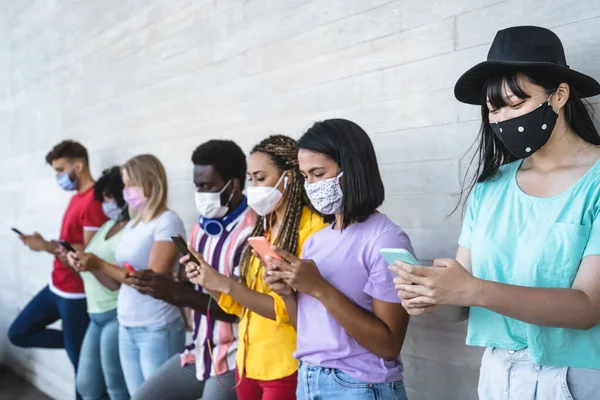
(132, 76)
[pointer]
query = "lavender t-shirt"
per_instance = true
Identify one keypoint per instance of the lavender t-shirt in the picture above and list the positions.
(350, 261)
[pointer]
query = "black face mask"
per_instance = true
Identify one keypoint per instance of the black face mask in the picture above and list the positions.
(528, 133)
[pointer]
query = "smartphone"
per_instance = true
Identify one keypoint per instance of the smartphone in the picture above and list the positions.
(128, 267)
(183, 248)
(261, 245)
(393, 255)
(18, 232)
(66, 245)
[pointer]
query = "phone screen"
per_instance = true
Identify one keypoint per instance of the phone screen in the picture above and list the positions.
(66, 245)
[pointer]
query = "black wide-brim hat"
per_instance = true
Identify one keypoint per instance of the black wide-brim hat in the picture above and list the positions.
(523, 49)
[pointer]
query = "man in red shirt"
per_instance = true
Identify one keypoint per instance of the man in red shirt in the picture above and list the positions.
(63, 299)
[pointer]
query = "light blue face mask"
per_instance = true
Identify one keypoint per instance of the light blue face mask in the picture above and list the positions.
(65, 182)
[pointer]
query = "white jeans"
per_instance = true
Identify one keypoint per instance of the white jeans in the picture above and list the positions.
(511, 375)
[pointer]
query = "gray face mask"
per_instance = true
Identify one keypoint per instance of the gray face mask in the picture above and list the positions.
(326, 196)
(112, 210)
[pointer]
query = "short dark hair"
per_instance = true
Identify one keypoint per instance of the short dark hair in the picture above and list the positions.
(350, 147)
(111, 185)
(226, 156)
(67, 149)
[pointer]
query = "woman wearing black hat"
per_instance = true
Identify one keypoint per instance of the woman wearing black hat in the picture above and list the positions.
(528, 265)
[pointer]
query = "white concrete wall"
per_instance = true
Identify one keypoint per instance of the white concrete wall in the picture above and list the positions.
(162, 76)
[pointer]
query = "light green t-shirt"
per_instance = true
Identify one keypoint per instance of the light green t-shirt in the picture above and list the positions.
(523, 240)
(99, 298)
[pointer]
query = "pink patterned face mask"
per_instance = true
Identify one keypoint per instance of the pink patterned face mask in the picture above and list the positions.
(134, 196)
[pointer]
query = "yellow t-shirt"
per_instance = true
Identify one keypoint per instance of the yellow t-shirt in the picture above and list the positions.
(271, 344)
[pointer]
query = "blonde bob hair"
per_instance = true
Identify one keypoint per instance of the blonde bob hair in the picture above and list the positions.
(149, 173)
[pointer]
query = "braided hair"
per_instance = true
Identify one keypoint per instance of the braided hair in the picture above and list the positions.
(283, 151)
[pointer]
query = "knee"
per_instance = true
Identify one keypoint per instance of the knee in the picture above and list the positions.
(17, 336)
(87, 386)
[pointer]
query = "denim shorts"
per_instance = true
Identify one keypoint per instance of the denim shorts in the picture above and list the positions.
(511, 375)
(318, 383)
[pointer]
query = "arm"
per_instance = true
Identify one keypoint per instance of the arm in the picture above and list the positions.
(181, 294)
(37, 243)
(575, 308)
(162, 258)
(106, 281)
(222, 287)
(260, 303)
(381, 332)
(449, 283)
(291, 303)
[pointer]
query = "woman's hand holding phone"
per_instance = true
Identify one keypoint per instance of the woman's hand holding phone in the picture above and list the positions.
(302, 275)
(276, 284)
(84, 262)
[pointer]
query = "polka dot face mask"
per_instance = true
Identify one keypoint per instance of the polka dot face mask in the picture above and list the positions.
(528, 133)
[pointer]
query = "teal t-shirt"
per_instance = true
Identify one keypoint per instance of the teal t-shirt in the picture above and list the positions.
(523, 240)
(99, 298)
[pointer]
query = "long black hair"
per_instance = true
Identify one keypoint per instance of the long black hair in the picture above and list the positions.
(491, 153)
(350, 147)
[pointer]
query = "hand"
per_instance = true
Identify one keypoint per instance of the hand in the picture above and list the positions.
(276, 284)
(302, 275)
(412, 309)
(72, 260)
(446, 282)
(204, 274)
(35, 242)
(159, 286)
(86, 261)
(61, 253)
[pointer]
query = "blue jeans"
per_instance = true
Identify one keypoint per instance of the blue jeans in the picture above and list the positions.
(100, 375)
(317, 383)
(144, 349)
(29, 329)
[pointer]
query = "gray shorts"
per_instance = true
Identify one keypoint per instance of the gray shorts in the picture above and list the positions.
(511, 375)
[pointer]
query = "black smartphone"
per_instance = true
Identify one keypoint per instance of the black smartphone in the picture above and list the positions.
(183, 248)
(67, 246)
(18, 232)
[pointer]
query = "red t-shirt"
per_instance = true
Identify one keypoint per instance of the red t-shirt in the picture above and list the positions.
(83, 213)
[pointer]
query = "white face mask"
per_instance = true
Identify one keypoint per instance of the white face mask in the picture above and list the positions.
(209, 205)
(326, 196)
(264, 199)
(111, 210)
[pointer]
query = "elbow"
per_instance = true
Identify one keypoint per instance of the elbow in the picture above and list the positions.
(390, 353)
(589, 324)
(390, 356)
